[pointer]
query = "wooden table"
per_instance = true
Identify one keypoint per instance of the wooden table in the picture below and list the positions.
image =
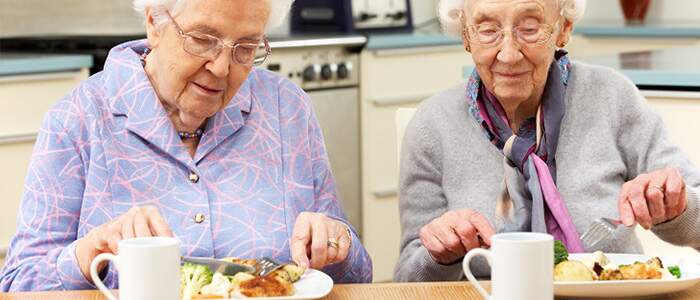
(375, 291)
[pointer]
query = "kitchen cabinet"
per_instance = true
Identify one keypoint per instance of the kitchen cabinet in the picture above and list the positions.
(583, 46)
(595, 37)
(391, 78)
(25, 99)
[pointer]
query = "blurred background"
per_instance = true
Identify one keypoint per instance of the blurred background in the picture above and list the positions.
(360, 61)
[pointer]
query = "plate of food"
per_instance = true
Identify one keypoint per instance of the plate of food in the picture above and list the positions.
(289, 282)
(611, 275)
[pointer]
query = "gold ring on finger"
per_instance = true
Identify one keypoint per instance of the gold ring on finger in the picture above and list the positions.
(333, 243)
(660, 188)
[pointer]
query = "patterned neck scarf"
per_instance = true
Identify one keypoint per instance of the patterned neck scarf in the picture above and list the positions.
(530, 200)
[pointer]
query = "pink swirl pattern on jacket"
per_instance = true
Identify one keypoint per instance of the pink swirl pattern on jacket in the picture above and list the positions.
(109, 146)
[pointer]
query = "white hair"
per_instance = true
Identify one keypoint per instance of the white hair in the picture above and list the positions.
(278, 10)
(449, 13)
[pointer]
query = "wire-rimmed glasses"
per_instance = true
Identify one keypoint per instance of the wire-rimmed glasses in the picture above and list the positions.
(490, 35)
(209, 47)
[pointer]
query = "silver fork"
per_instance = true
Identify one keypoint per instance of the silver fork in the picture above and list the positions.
(266, 265)
(599, 230)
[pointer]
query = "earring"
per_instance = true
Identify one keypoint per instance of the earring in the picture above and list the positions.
(564, 43)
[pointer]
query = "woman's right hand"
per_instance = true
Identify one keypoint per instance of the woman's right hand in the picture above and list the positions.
(142, 221)
(449, 237)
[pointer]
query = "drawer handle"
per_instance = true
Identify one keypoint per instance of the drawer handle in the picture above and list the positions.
(18, 138)
(399, 100)
(386, 192)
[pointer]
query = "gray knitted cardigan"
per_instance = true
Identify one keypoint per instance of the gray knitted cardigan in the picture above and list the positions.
(609, 135)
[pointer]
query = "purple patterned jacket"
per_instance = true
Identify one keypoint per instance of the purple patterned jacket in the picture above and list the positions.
(109, 146)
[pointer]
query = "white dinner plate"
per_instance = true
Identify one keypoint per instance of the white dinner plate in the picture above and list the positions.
(314, 284)
(690, 276)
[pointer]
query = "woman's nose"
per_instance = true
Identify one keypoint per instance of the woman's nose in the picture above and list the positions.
(510, 49)
(220, 65)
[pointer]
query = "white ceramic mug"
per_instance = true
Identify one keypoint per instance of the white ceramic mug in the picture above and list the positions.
(149, 268)
(522, 266)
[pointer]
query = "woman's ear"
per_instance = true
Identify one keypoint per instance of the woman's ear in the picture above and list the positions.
(153, 34)
(565, 34)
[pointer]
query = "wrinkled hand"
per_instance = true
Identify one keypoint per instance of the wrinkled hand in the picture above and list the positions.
(450, 236)
(137, 222)
(311, 239)
(653, 198)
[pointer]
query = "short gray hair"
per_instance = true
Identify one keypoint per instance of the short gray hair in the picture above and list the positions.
(448, 13)
(278, 10)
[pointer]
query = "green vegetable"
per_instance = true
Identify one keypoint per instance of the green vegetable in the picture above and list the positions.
(560, 253)
(675, 271)
(193, 278)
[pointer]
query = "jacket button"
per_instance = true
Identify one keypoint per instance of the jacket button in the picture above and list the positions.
(194, 178)
(199, 218)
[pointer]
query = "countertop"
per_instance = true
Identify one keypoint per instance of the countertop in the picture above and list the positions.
(432, 35)
(418, 38)
(317, 40)
(26, 63)
(618, 28)
(669, 69)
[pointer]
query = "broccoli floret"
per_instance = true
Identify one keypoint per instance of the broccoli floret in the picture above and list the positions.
(675, 271)
(560, 253)
(193, 278)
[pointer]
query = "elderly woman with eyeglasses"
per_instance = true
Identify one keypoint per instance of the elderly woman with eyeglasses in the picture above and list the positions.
(181, 136)
(534, 142)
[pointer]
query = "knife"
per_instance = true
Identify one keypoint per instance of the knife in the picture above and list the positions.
(221, 266)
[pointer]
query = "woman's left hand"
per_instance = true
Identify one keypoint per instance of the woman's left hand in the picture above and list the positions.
(326, 241)
(653, 198)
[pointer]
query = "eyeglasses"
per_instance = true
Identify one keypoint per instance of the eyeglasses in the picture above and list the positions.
(490, 35)
(209, 47)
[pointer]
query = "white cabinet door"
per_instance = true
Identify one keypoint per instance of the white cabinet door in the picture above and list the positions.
(25, 100)
(680, 112)
(393, 79)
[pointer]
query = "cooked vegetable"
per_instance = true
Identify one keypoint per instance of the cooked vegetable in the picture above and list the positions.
(193, 278)
(295, 272)
(219, 286)
(560, 253)
(675, 271)
(573, 270)
(639, 270)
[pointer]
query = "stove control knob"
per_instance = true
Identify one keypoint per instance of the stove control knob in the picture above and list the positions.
(326, 72)
(343, 71)
(309, 73)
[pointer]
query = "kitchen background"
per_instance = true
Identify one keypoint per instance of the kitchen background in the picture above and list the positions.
(356, 81)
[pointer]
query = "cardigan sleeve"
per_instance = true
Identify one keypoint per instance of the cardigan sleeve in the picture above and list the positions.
(421, 199)
(646, 147)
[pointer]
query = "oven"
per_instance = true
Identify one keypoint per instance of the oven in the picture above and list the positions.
(327, 68)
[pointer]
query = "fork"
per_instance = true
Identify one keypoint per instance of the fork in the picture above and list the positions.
(599, 230)
(266, 265)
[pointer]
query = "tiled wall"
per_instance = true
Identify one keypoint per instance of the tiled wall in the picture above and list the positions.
(68, 17)
(96, 17)
(660, 10)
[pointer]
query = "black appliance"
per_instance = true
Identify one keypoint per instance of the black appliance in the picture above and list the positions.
(350, 16)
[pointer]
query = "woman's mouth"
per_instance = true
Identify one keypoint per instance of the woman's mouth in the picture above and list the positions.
(511, 74)
(206, 90)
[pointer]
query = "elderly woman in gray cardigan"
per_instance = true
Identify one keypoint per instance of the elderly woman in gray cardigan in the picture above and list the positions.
(534, 142)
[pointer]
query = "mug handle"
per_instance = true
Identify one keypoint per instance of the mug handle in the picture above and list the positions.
(465, 265)
(96, 277)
